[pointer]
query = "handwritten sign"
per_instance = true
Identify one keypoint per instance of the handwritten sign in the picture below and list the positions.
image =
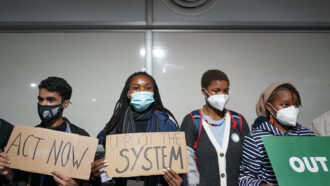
(143, 154)
(42, 151)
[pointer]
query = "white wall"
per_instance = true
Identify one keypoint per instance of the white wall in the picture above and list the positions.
(97, 65)
(252, 61)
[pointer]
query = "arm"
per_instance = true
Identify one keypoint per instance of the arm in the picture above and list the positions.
(188, 128)
(251, 164)
(245, 127)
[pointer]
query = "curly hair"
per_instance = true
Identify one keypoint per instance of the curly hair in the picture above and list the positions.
(57, 84)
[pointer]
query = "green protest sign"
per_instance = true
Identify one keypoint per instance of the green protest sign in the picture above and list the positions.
(299, 161)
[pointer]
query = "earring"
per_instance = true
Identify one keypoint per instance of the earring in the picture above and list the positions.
(271, 119)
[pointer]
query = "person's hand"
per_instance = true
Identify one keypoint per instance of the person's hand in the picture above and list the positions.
(172, 178)
(63, 180)
(4, 166)
(97, 165)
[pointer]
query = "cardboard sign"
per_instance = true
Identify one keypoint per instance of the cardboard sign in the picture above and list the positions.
(42, 151)
(301, 161)
(143, 154)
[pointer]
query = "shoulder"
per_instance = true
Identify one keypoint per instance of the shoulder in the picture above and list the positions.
(5, 125)
(189, 120)
(253, 143)
(303, 131)
(77, 130)
(256, 136)
(161, 115)
(238, 116)
(166, 124)
(5, 132)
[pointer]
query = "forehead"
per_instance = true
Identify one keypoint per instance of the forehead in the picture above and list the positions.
(44, 93)
(141, 79)
(285, 95)
(219, 84)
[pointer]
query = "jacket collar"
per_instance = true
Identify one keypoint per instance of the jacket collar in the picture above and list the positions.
(264, 124)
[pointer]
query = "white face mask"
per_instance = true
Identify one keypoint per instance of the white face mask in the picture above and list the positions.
(217, 101)
(287, 116)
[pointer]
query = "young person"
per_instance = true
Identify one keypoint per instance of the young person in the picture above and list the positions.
(5, 131)
(214, 135)
(54, 96)
(277, 110)
(139, 109)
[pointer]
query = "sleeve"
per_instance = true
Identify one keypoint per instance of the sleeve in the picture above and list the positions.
(305, 132)
(172, 125)
(251, 163)
(6, 129)
(245, 127)
(188, 128)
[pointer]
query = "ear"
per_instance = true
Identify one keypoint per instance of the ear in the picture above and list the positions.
(204, 92)
(128, 95)
(66, 103)
(268, 107)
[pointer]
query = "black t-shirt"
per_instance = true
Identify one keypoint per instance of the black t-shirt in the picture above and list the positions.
(5, 131)
(48, 180)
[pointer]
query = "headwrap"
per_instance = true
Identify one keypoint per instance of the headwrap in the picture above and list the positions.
(264, 96)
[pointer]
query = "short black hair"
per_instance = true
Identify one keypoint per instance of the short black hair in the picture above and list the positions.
(288, 87)
(57, 84)
(211, 75)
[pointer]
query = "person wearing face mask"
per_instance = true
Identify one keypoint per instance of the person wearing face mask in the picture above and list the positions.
(54, 96)
(139, 109)
(278, 111)
(214, 135)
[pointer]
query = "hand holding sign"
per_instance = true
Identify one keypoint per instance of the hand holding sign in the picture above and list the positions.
(172, 178)
(64, 180)
(4, 166)
(98, 165)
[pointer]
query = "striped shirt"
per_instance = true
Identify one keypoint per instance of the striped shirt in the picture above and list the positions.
(255, 167)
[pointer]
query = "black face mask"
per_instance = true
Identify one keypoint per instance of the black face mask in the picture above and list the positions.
(48, 113)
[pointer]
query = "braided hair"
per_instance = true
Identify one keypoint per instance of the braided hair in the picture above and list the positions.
(117, 119)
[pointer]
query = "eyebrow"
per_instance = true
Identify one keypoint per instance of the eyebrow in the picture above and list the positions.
(140, 84)
(48, 98)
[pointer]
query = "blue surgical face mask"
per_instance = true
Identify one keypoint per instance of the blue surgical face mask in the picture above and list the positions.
(142, 100)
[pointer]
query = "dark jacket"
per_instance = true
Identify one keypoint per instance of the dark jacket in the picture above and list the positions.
(165, 125)
(21, 177)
